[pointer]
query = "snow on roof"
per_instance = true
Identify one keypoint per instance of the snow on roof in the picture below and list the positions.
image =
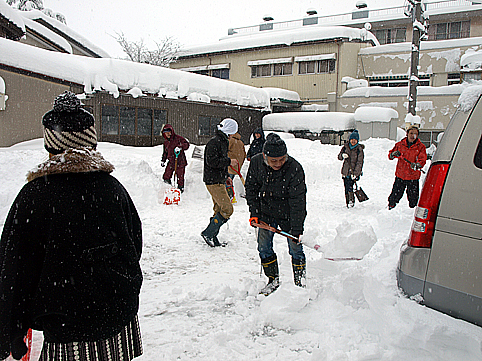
(48, 34)
(424, 45)
(113, 75)
(377, 91)
(281, 37)
(11, 15)
(36, 15)
(2, 86)
(278, 93)
(312, 121)
(375, 114)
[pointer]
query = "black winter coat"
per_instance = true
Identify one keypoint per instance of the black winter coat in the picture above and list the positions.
(257, 144)
(216, 161)
(277, 195)
(69, 254)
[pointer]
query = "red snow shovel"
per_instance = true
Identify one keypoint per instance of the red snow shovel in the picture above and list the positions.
(297, 240)
(238, 171)
(172, 195)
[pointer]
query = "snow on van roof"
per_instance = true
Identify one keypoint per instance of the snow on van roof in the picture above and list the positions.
(281, 37)
(312, 121)
(366, 114)
(113, 75)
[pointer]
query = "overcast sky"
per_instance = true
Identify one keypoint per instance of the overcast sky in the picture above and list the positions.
(191, 22)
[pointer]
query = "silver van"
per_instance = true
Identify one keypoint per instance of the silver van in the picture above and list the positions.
(440, 264)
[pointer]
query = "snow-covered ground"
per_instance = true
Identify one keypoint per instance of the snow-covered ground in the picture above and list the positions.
(202, 303)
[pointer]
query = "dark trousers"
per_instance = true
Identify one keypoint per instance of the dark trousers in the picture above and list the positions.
(399, 187)
(179, 173)
(348, 182)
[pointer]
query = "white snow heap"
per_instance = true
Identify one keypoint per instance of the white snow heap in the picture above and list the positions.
(278, 93)
(471, 60)
(367, 114)
(411, 119)
(312, 121)
(469, 97)
(354, 83)
(113, 75)
(2, 86)
(12, 15)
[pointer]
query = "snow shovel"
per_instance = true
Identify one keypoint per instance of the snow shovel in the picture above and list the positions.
(238, 171)
(197, 153)
(360, 194)
(172, 195)
(421, 170)
(316, 247)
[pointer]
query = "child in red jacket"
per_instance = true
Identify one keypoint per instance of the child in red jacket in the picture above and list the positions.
(412, 156)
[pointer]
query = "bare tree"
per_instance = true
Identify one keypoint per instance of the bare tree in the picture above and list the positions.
(167, 50)
(27, 5)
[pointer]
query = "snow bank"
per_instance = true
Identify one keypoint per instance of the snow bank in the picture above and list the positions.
(312, 121)
(367, 114)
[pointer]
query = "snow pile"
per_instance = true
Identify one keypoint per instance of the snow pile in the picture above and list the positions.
(12, 15)
(113, 75)
(469, 97)
(313, 121)
(278, 93)
(367, 114)
(354, 83)
(471, 60)
(200, 303)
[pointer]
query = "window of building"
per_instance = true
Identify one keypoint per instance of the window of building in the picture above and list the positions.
(468, 77)
(132, 120)
(316, 66)
(207, 125)
(454, 30)
(220, 73)
(453, 78)
(395, 81)
(428, 137)
(390, 36)
(283, 69)
(202, 72)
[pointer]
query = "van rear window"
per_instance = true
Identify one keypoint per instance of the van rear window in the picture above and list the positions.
(478, 155)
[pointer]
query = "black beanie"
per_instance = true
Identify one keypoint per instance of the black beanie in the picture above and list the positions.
(274, 146)
(68, 125)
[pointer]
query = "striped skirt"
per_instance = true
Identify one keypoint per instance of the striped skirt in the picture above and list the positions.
(124, 346)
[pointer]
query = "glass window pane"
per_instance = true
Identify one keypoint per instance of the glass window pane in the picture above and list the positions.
(310, 67)
(144, 121)
(331, 65)
(278, 69)
(455, 30)
(254, 72)
(127, 116)
(302, 67)
(401, 35)
(441, 33)
(322, 66)
(204, 125)
(265, 70)
(214, 122)
(287, 69)
(110, 119)
(160, 117)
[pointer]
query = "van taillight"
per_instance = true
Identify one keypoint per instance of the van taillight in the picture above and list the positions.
(424, 223)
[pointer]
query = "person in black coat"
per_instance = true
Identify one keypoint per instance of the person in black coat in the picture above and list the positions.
(70, 250)
(257, 144)
(276, 194)
(215, 176)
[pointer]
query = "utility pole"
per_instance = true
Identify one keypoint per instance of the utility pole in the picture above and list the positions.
(419, 31)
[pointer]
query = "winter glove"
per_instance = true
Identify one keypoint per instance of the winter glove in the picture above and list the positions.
(354, 177)
(415, 166)
(253, 220)
(18, 347)
(344, 155)
(395, 154)
(177, 150)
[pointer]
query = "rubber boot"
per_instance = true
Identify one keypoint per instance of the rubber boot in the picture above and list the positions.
(210, 233)
(299, 272)
(270, 268)
(351, 199)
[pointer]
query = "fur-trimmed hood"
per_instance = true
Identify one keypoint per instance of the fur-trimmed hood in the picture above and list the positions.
(83, 160)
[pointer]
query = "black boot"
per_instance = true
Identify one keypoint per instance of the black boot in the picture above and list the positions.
(270, 268)
(210, 233)
(299, 271)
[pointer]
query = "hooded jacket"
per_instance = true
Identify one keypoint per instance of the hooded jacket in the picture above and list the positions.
(257, 144)
(354, 163)
(277, 195)
(414, 153)
(216, 160)
(69, 253)
(169, 146)
(236, 151)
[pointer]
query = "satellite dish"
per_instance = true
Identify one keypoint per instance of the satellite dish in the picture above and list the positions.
(368, 26)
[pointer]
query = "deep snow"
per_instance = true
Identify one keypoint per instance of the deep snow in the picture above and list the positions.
(202, 303)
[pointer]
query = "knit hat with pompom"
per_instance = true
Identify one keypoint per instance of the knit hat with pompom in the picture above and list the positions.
(68, 125)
